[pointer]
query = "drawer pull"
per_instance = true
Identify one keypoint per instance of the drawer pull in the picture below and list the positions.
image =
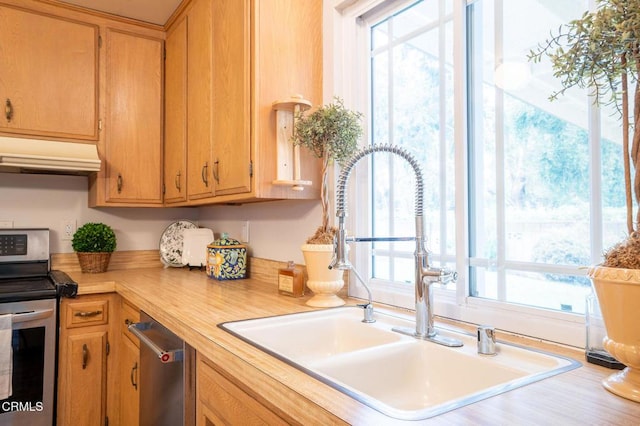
(85, 356)
(134, 382)
(87, 314)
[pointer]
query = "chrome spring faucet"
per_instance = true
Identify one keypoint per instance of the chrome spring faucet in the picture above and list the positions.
(424, 275)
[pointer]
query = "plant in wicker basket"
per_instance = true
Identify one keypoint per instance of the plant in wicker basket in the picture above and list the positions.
(93, 244)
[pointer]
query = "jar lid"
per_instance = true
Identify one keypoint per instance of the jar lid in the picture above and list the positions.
(224, 240)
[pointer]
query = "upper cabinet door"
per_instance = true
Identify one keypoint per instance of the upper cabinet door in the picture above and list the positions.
(232, 96)
(133, 148)
(48, 75)
(175, 117)
(199, 100)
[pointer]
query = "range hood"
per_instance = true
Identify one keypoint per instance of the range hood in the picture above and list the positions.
(39, 156)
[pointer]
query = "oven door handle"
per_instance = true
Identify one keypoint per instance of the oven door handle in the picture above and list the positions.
(31, 316)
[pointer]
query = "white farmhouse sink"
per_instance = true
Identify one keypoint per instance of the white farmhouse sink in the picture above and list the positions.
(398, 375)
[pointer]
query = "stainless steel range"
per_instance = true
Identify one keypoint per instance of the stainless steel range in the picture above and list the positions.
(29, 293)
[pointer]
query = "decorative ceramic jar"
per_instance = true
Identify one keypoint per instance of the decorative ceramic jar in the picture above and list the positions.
(226, 259)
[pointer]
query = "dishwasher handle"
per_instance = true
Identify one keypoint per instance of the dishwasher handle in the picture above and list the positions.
(164, 355)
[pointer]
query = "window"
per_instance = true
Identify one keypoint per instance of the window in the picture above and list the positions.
(520, 193)
(411, 106)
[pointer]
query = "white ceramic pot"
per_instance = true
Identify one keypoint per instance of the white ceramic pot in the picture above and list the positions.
(618, 293)
(324, 282)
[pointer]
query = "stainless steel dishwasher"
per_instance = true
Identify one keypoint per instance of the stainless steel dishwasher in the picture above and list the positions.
(166, 375)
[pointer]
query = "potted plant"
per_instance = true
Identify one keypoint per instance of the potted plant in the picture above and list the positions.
(93, 244)
(331, 133)
(601, 52)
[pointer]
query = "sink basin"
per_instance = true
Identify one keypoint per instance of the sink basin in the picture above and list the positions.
(398, 375)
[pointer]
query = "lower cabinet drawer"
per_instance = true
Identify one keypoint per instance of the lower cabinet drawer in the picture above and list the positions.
(83, 313)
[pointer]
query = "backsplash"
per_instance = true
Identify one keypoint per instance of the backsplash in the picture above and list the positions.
(277, 228)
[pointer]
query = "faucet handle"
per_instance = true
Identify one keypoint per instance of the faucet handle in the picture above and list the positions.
(447, 276)
(441, 275)
(368, 312)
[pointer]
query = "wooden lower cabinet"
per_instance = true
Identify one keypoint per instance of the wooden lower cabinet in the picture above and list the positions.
(84, 360)
(221, 402)
(129, 367)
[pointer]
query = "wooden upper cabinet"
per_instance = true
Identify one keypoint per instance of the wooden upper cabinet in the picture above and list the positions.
(241, 56)
(199, 100)
(48, 75)
(232, 96)
(175, 135)
(133, 130)
(216, 63)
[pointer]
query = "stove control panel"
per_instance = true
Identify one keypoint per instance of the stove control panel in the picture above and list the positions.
(24, 245)
(13, 245)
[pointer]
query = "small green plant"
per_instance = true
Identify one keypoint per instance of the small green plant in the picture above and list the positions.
(94, 238)
(331, 133)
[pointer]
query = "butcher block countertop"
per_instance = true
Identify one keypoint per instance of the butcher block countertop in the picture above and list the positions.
(192, 305)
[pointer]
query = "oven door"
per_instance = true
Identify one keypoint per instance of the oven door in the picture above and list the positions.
(33, 340)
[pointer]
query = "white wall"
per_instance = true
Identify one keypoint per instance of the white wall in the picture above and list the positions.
(277, 228)
(45, 201)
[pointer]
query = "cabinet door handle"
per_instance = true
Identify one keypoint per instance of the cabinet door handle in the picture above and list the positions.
(177, 181)
(87, 314)
(134, 380)
(127, 321)
(216, 174)
(85, 356)
(204, 174)
(119, 183)
(8, 110)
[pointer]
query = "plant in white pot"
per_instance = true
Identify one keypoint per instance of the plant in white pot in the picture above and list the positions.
(601, 52)
(330, 132)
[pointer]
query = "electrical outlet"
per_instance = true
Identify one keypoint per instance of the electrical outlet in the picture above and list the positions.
(245, 232)
(6, 224)
(68, 229)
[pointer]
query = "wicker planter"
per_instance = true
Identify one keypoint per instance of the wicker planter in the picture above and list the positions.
(94, 263)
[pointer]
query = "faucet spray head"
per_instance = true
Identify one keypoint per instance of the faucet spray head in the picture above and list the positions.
(340, 260)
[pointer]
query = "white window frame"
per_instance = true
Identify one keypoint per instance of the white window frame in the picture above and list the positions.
(350, 63)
